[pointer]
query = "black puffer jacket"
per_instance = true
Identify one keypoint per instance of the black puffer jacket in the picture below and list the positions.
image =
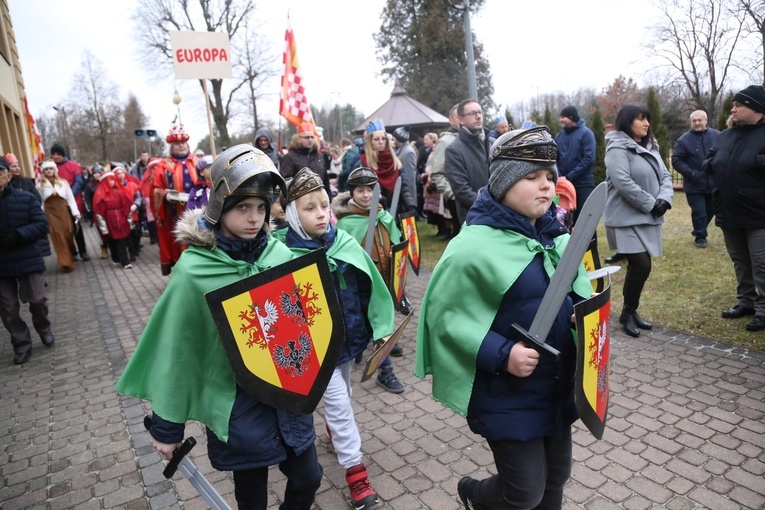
(22, 212)
(737, 162)
(28, 184)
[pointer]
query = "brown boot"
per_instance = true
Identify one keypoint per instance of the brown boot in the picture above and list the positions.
(104, 252)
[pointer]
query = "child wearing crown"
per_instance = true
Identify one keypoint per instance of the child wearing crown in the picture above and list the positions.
(367, 310)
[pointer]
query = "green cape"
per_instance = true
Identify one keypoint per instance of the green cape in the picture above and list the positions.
(463, 296)
(381, 312)
(179, 364)
(280, 234)
(357, 225)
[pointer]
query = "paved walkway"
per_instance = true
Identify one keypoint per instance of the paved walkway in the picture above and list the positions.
(686, 427)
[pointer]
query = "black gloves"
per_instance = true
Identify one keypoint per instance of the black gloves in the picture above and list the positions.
(10, 239)
(660, 207)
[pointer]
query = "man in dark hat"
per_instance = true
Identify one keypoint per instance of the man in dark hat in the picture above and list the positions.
(736, 162)
(71, 172)
(576, 154)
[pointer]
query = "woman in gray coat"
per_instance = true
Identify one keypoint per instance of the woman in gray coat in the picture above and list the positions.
(639, 193)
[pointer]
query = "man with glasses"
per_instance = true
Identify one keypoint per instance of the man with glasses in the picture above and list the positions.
(467, 158)
(304, 153)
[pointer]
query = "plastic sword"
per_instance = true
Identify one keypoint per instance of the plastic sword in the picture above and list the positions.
(394, 199)
(189, 470)
(564, 275)
(369, 242)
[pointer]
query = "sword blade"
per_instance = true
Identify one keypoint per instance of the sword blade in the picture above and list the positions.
(394, 199)
(372, 219)
(202, 485)
(564, 274)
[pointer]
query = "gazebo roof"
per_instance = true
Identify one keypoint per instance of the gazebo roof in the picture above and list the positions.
(402, 110)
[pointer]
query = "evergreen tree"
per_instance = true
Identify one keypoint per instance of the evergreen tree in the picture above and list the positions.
(598, 128)
(421, 44)
(510, 120)
(657, 125)
(550, 122)
(722, 119)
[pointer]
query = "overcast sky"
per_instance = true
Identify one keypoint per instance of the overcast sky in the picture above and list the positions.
(532, 47)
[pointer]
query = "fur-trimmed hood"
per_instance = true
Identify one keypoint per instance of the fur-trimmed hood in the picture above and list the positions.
(189, 231)
(340, 205)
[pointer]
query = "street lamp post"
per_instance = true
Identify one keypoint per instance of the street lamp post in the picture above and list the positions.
(472, 88)
(65, 131)
(177, 101)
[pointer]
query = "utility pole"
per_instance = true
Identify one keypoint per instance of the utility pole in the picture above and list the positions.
(472, 89)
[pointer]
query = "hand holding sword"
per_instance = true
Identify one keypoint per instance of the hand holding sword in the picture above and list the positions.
(179, 460)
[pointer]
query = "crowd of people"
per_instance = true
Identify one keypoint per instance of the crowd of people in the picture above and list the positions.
(253, 207)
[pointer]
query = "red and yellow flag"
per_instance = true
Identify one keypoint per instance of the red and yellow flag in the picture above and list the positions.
(293, 104)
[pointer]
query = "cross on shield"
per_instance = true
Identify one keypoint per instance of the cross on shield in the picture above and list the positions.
(282, 330)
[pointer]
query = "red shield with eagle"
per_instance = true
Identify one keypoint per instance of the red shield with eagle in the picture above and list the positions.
(409, 228)
(282, 330)
(398, 266)
(593, 331)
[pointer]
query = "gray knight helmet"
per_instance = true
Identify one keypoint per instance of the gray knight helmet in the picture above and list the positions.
(362, 176)
(241, 170)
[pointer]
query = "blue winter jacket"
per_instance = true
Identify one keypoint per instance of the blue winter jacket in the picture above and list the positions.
(354, 295)
(576, 154)
(21, 211)
(504, 407)
(691, 150)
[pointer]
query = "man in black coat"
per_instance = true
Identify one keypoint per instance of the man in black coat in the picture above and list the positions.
(467, 158)
(22, 223)
(691, 150)
(737, 163)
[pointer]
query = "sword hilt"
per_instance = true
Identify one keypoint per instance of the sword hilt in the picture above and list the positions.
(178, 454)
(519, 334)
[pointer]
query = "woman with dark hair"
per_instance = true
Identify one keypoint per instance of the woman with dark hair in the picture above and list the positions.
(639, 193)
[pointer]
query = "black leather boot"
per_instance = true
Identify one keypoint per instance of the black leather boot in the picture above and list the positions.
(642, 323)
(627, 319)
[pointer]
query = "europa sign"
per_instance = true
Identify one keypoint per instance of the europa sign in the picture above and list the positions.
(201, 55)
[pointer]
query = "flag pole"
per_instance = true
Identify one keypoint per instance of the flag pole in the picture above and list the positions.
(209, 120)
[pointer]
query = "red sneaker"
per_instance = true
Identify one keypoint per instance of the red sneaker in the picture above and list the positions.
(364, 498)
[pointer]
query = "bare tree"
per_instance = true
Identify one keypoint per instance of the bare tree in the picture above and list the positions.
(154, 18)
(755, 12)
(255, 66)
(621, 92)
(93, 114)
(697, 39)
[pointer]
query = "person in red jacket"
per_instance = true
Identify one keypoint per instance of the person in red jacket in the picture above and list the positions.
(71, 172)
(112, 207)
(174, 177)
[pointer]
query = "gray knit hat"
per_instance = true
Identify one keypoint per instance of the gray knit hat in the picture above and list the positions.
(518, 153)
